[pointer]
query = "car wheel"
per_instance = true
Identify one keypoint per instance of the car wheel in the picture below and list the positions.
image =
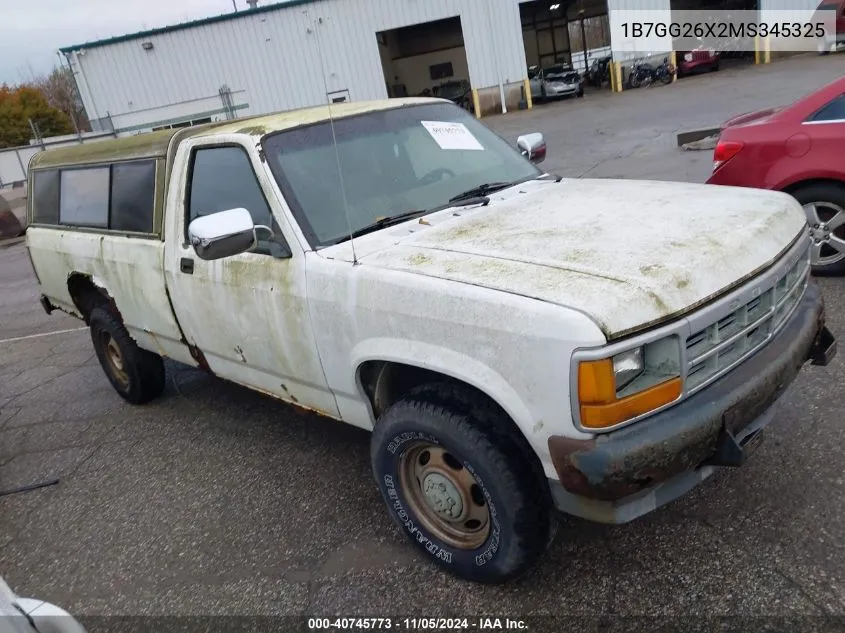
(136, 374)
(824, 206)
(823, 46)
(459, 481)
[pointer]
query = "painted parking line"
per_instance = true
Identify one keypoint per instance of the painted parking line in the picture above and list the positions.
(24, 338)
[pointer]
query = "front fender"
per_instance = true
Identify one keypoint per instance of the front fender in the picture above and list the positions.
(451, 363)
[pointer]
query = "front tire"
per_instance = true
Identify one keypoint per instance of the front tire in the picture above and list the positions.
(457, 479)
(824, 206)
(824, 46)
(136, 374)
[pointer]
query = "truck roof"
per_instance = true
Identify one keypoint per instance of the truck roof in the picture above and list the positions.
(156, 144)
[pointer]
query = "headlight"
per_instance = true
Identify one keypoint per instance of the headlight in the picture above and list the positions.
(688, 57)
(627, 366)
(629, 384)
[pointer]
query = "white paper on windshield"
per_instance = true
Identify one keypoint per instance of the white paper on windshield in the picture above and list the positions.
(452, 135)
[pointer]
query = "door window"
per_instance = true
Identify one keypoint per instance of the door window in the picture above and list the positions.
(222, 178)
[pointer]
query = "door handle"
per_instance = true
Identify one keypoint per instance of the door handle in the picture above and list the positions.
(186, 265)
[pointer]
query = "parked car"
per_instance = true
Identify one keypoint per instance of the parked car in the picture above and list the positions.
(516, 342)
(457, 91)
(701, 60)
(553, 82)
(797, 149)
(599, 73)
(26, 615)
(837, 38)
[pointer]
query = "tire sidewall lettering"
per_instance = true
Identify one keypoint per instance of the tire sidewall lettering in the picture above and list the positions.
(397, 505)
(398, 508)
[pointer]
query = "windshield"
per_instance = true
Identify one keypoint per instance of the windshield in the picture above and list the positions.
(391, 162)
(449, 91)
(556, 72)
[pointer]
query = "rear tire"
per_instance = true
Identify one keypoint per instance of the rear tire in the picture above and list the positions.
(136, 374)
(824, 205)
(458, 480)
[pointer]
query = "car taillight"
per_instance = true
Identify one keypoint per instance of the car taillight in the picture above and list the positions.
(725, 150)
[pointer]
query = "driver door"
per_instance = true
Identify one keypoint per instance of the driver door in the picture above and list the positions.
(247, 314)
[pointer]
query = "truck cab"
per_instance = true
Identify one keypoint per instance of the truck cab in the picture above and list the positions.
(517, 343)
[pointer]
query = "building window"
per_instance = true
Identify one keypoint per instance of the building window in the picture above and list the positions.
(338, 96)
(441, 71)
(171, 126)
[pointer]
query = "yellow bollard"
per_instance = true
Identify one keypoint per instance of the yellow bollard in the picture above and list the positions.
(673, 59)
(767, 50)
(476, 103)
(757, 49)
(528, 98)
(615, 77)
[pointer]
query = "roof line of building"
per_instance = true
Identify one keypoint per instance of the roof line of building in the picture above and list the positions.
(225, 17)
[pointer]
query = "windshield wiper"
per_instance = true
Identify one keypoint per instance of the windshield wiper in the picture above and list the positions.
(482, 190)
(392, 220)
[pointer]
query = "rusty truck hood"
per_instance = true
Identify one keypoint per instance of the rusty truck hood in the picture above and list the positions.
(629, 254)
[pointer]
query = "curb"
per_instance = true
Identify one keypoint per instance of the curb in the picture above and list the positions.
(696, 135)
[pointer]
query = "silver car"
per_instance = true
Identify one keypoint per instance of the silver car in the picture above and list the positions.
(25, 615)
(555, 81)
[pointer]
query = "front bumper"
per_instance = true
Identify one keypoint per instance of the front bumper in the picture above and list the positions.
(562, 91)
(620, 476)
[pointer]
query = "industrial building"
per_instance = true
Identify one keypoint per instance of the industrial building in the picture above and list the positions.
(306, 52)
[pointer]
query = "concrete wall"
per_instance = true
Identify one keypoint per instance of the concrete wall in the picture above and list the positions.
(14, 161)
(275, 58)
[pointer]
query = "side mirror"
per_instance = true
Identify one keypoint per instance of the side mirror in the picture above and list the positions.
(222, 234)
(532, 146)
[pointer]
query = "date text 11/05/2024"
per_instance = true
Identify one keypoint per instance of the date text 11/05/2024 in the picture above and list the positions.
(418, 624)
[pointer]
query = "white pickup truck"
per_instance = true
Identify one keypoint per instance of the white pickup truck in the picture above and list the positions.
(516, 342)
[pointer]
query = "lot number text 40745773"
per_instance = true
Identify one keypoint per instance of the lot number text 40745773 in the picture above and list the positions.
(418, 624)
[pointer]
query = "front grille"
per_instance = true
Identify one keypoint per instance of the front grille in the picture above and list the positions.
(713, 350)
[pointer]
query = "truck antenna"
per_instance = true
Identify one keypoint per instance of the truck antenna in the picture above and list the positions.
(315, 25)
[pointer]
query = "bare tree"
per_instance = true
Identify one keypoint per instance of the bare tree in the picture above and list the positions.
(60, 90)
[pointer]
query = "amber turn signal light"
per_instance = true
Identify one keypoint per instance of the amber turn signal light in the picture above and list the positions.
(600, 408)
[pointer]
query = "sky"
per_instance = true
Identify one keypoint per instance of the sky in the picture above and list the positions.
(31, 31)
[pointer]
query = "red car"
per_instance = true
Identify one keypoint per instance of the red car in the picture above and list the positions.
(798, 149)
(700, 60)
(830, 40)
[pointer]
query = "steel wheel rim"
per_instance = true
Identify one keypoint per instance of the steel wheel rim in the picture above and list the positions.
(827, 230)
(114, 358)
(444, 496)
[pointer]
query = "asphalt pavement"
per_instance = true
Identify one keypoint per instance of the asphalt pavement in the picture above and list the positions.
(214, 500)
